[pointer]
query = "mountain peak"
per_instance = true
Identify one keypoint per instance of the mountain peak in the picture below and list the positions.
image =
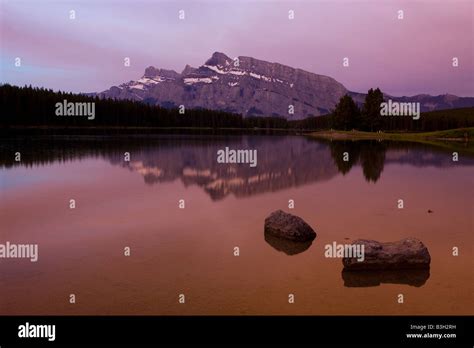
(151, 72)
(188, 69)
(219, 58)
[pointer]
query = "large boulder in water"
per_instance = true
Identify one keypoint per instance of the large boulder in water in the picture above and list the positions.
(288, 226)
(408, 253)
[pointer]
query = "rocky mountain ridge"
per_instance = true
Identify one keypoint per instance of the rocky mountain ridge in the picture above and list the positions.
(252, 87)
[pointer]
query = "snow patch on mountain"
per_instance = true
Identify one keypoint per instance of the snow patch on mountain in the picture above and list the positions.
(217, 69)
(193, 80)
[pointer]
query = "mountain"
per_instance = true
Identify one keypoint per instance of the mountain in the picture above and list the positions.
(253, 87)
(427, 102)
(244, 85)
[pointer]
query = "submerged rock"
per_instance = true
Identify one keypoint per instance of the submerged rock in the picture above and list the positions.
(287, 246)
(288, 226)
(408, 253)
(412, 277)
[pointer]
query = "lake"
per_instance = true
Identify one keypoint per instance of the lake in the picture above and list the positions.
(136, 204)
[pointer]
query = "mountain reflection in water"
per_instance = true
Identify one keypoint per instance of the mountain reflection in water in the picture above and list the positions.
(283, 161)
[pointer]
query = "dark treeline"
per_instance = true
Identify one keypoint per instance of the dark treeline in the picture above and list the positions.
(28, 106)
(32, 107)
(347, 116)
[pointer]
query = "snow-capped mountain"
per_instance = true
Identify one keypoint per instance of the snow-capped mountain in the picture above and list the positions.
(243, 85)
(253, 87)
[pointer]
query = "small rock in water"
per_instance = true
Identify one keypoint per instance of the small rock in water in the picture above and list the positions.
(288, 226)
(408, 253)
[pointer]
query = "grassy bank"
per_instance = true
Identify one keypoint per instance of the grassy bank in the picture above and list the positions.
(459, 134)
(460, 139)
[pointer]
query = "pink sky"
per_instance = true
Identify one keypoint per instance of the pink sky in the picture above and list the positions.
(402, 57)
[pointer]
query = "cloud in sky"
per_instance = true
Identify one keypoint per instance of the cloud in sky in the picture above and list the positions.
(403, 57)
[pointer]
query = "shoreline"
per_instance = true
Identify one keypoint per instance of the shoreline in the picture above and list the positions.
(454, 135)
(464, 135)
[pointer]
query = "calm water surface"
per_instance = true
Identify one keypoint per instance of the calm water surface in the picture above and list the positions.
(190, 251)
